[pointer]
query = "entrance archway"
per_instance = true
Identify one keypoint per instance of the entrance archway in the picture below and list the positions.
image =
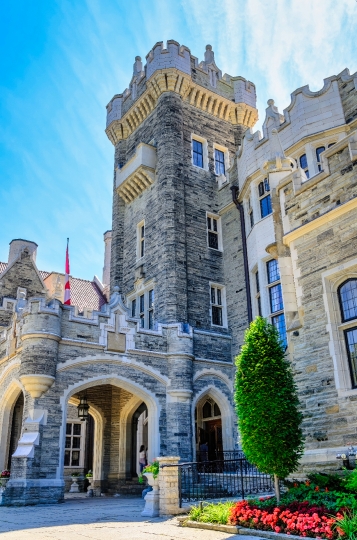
(124, 410)
(11, 418)
(208, 422)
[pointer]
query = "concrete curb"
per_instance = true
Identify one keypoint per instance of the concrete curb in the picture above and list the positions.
(184, 522)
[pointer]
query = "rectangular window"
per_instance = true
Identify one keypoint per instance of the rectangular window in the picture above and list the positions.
(279, 322)
(265, 206)
(303, 164)
(319, 151)
(251, 215)
(151, 310)
(219, 161)
(213, 232)
(72, 453)
(140, 251)
(273, 271)
(142, 310)
(351, 345)
(133, 307)
(217, 306)
(197, 153)
(276, 298)
(257, 295)
(265, 200)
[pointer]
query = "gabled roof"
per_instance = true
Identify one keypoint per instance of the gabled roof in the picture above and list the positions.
(85, 294)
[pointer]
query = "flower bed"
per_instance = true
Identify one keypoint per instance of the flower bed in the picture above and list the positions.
(297, 518)
(325, 506)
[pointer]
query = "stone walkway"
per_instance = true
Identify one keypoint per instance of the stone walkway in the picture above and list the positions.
(96, 519)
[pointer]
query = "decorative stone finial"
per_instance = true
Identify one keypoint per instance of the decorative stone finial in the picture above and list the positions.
(209, 55)
(277, 161)
(138, 66)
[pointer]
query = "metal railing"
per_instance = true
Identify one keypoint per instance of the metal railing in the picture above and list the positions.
(221, 479)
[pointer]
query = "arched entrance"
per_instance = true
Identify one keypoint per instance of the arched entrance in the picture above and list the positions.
(121, 413)
(16, 427)
(208, 422)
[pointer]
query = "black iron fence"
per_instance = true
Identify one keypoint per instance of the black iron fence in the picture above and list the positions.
(205, 480)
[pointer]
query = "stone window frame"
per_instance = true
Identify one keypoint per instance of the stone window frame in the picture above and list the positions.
(225, 151)
(331, 280)
(223, 304)
(326, 144)
(269, 285)
(204, 142)
(219, 230)
(140, 241)
(8, 304)
(143, 290)
(82, 444)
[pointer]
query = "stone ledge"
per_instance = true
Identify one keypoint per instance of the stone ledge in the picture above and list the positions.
(184, 522)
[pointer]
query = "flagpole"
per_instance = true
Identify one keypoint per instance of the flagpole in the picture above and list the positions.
(67, 286)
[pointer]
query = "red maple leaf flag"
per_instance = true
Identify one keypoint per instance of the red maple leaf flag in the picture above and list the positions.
(67, 287)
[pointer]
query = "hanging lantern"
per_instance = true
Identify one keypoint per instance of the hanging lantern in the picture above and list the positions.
(83, 408)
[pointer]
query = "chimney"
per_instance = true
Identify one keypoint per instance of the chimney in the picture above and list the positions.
(18, 245)
(107, 257)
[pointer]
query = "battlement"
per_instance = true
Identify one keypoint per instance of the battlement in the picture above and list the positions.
(174, 68)
(308, 114)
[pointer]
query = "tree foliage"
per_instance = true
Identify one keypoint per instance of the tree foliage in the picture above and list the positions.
(267, 404)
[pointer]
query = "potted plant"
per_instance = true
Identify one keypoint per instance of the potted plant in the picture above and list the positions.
(151, 472)
(4, 478)
(89, 477)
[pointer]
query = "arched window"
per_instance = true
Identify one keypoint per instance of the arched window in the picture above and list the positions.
(207, 410)
(347, 294)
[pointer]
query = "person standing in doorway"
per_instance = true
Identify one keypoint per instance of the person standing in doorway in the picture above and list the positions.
(142, 458)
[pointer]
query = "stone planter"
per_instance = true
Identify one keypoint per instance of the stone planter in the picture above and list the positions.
(3, 482)
(90, 491)
(74, 486)
(152, 498)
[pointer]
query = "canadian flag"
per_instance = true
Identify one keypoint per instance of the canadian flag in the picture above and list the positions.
(67, 287)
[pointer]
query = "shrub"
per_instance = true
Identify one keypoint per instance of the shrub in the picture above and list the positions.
(267, 404)
(211, 512)
(351, 481)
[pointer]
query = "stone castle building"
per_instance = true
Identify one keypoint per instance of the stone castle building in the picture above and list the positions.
(212, 225)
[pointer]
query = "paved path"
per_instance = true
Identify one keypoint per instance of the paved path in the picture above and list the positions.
(96, 519)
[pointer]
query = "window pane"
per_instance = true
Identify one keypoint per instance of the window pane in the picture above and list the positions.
(259, 306)
(219, 162)
(266, 184)
(217, 411)
(219, 297)
(257, 286)
(142, 248)
(319, 151)
(279, 323)
(68, 442)
(151, 298)
(209, 223)
(133, 308)
(67, 457)
(348, 300)
(303, 161)
(261, 189)
(331, 144)
(77, 429)
(142, 231)
(251, 217)
(142, 303)
(214, 222)
(151, 319)
(276, 298)
(75, 459)
(217, 316)
(212, 240)
(68, 429)
(142, 321)
(351, 343)
(197, 153)
(76, 443)
(206, 410)
(213, 295)
(273, 271)
(265, 206)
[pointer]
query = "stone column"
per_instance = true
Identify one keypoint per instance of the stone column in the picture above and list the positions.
(179, 393)
(169, 486)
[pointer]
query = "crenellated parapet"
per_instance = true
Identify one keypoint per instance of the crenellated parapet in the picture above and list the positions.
(308, 114)
(174, 69)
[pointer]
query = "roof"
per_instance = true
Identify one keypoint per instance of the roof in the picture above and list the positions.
(84, 293)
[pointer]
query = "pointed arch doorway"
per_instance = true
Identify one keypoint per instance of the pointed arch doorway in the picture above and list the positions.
(209, 440)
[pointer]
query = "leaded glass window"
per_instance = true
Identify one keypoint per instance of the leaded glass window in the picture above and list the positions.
(348, 300)
(219, 161)
(197, 153)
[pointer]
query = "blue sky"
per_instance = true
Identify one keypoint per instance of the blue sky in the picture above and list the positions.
(62, 61)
